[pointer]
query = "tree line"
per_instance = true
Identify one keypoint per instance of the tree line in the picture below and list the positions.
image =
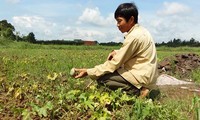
(178, 43)
(59, 42)
(7, 30)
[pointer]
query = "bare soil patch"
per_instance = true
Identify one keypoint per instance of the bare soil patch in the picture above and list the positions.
(180, 65)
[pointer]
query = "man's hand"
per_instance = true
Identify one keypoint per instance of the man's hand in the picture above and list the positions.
(81, 73)
(111, 55)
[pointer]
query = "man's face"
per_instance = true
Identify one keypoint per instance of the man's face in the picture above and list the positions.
(123, 25)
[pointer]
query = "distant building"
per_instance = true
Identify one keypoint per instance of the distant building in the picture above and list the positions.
(89, 42)
(85, 42)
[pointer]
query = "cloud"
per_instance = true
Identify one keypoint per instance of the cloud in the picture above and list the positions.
(81, 33)
(168, 28)
(93, 26)
(34, 24)
(175, 20)
(94, 17)
(70, 33)
(46, 30)
(173, 8)
(13, 1)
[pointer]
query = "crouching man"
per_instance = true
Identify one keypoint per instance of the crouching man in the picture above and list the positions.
(133, 67)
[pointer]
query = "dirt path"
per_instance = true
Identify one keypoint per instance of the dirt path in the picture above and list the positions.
(179, 65)
(179, 92)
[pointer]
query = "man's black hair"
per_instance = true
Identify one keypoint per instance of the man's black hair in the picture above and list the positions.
(126, 10)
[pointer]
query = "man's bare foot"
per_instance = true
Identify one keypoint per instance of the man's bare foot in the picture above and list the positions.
(144, 92)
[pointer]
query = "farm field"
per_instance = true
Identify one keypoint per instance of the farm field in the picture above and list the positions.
(35, 84)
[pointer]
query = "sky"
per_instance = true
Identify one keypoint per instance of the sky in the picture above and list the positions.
(94, 19)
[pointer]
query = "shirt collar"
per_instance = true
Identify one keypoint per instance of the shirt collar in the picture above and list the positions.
(136, 25)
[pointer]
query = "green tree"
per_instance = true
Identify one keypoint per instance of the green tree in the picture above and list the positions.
(7, 30)
(192, 41)
(9, 34)
(31, 38)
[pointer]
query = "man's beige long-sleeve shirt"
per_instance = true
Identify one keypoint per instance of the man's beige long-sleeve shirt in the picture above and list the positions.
(135, 61)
